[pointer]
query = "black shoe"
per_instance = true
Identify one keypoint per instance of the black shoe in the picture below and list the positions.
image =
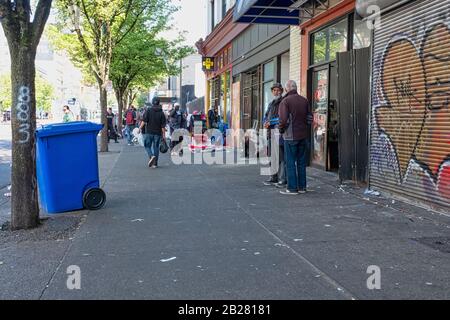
(302, 191)
(281, 185)
(270, 182)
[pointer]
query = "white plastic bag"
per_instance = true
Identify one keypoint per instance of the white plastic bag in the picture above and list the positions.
(135, 132)
(140, 139)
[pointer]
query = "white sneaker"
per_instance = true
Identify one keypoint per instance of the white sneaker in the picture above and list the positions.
(288, 192)
(150, 162)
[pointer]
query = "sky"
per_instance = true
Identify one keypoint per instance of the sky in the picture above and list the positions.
(191, 18)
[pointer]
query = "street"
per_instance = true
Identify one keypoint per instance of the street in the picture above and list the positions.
(215, 232)
(5, 154)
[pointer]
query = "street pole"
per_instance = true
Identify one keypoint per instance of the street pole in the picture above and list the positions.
(181, 80)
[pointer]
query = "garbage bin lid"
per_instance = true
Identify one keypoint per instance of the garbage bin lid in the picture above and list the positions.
(67, 128)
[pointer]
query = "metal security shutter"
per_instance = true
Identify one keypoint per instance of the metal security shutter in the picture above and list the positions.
(410, 117)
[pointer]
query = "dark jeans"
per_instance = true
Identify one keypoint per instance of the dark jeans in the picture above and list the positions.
(295, 154)
(152, 142)
(129, 130)
(282, 168)
(112, 134)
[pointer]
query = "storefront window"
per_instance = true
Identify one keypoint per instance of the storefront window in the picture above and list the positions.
(338, 38)
(228, 102)
(268, 71)
(320, 48)
(362, 35)
(225, 97)
(268, 77)
(328, 42)
(320, 109)
(267, 96)
(285, 68)
(222, 96)
(215, 92)
(251, 98)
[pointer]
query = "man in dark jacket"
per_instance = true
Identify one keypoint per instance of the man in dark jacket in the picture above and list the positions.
(175, 123)
(271, 121)
(110, 116)
(213, 118)
(294, 117)
(154, 121)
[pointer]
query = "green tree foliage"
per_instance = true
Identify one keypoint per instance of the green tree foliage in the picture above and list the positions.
(144, 58)
(97, 27)
(5, 92)
(141, 99)
(44, 93)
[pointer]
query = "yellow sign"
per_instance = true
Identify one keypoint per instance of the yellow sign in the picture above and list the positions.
(208, 64)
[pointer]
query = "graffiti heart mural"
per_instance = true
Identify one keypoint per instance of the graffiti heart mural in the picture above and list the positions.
(414, 115)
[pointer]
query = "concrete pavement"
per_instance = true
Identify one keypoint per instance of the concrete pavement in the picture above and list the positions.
(215, 232)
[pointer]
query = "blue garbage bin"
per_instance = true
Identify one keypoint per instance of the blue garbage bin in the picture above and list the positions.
(67, 167)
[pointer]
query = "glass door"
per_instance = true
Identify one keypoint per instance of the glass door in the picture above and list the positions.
(247, 101)
(333, 121)
(320, 99)
(256, 106)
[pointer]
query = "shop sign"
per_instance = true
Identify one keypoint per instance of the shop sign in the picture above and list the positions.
(208, 64)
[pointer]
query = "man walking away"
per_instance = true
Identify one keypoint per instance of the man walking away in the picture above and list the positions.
(130, 123)
(154, 121)
(271, 121)
(294, 110)
(111, 129)
(213, 118)
(175, 123)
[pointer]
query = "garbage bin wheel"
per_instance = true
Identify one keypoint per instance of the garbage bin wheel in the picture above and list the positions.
(94, 199)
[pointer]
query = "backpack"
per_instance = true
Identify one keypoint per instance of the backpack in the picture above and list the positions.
(130, 118)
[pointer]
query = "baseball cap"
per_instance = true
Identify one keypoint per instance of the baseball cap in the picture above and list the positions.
(277, 85)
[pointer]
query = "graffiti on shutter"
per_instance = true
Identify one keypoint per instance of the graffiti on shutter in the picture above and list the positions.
(410, 150)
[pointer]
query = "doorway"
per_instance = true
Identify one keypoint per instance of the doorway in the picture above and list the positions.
(251, 97)
(325, 142)
(354, 111)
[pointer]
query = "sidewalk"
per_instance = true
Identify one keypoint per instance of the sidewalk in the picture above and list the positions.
(215, 232)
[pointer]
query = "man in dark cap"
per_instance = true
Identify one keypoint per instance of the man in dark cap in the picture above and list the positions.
(271, 123)
(154, 121)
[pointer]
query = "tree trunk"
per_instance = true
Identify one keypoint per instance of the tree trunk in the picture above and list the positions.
(120, 101)
(24, 197)
(103, 107)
